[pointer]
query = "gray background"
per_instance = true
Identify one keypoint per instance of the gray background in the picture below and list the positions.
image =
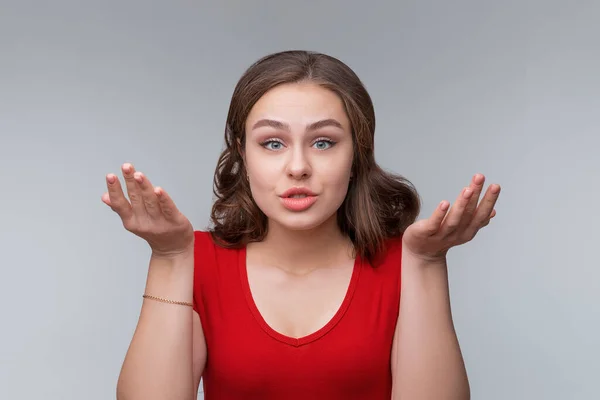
(507, 88)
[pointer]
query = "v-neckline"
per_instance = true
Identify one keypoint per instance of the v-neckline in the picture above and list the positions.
(311, 337)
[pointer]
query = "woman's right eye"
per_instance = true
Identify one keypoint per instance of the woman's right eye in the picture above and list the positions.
(272, 145)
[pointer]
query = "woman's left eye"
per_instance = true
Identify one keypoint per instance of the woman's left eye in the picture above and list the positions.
(323, 144)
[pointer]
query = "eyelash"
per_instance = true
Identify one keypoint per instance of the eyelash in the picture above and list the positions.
(328, 141)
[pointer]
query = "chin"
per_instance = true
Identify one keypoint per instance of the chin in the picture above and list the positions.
(302, 221)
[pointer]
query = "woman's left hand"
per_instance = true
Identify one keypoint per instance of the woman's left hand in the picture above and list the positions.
(430, 239)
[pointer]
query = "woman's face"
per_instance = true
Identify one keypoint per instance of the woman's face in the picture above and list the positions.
(298, 137)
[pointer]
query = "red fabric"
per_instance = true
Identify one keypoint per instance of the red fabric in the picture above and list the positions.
(347, 359)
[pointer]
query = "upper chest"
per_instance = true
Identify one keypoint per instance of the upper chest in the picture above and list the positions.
(247, 304)
(330, 336)
(299, 305)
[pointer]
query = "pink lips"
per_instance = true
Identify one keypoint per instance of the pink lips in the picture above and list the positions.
(298, 203)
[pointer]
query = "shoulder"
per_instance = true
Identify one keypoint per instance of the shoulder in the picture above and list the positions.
(212, 264)
(204, 246)
(390, 255)
(203, 239)
(208, 251)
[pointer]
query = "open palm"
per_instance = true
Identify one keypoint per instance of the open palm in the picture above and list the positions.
(431, 238)
(149, 213)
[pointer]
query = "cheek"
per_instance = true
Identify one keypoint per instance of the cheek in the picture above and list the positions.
(261, 193)
(260, 168)
(263, 177)
(339, 185)
(337, 171)
(336, 180)
(262, 181)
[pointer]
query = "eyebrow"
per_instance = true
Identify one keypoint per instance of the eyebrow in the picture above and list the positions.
(285, 127)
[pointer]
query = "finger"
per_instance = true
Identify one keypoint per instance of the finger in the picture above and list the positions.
(167, 205)
(434, 222)
(487, 222)
(476, 186)
(473, 228)
(454, 217)
(115, 198)
(486, 207)
(106, 199)
(133, 190)
(149, 198)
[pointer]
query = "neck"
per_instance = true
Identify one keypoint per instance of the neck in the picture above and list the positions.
(305, 250)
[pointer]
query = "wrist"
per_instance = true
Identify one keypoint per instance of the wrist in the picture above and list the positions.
(423, 260)
(171, 276)
(183, 259)
(423, 269)
(174, 255)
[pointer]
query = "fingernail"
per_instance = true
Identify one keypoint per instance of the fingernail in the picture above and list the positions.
(467, 193)
(110, 178)
(138, 177)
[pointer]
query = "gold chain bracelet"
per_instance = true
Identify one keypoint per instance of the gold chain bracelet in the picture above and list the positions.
(181, 303)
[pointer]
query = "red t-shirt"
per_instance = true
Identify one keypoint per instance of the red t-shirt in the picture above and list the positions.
(349, 358)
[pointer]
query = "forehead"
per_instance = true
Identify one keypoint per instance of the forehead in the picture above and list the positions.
(299, 103)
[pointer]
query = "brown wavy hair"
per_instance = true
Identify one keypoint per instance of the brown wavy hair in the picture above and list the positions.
(379, 205)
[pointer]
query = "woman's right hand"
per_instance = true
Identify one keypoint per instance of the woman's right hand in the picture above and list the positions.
(149, 213)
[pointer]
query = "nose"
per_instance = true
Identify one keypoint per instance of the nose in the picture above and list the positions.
(298, 166)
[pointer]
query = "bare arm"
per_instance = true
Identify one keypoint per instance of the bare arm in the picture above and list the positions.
(426, 359)
(168, 352)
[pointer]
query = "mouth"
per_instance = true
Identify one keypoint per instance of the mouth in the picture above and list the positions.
(297, 193)
(298, 199)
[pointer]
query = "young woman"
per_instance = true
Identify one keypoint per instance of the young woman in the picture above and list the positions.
(315, 281)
